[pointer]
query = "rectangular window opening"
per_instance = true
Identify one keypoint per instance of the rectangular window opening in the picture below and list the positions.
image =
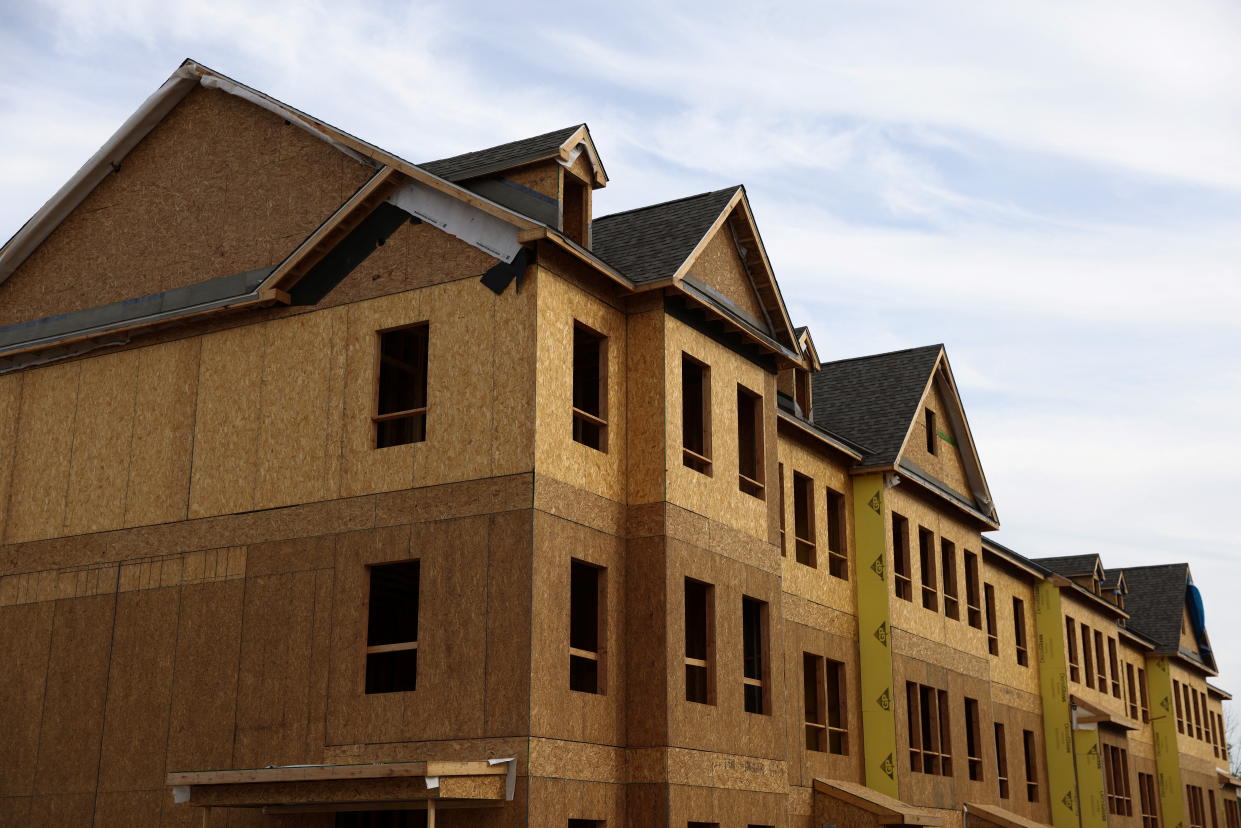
(993, 635)
(1070, 631)
(1148, 800)
(932, 444)
(749, 442)
(1087, 656)
(392, 628)
(590, 387)
(401, 395)
(1001, 761)
(1029, 750)
(784, 543)
(948, 570)
(930, 745)
(1019, 632)
(900, 558)
(754, 654)
(1114, 667)
(973, 740)
(699, 642)
(926, 559)
(973, 604)
(837, 550)
(587, 599)
(815, 687)
(803, 519)
(695, 414)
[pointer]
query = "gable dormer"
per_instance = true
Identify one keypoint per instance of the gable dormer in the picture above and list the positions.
(550, 178)
(794, 383)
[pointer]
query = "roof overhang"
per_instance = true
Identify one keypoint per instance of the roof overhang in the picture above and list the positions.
(1087, 714)
(1000, 816)
(886, 809)
(324, 788)
(813, 432)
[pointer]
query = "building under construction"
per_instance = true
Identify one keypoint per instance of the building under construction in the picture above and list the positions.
(338, 490)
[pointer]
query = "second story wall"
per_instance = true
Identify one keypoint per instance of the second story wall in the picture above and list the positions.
(267, 414)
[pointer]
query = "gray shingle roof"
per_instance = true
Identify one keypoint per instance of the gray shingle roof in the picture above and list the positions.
(1156, 602)
(872, 400)
(650, 243)
(466, 165)
(1070, 565)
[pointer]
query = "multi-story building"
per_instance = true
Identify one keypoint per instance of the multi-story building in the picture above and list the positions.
(339, 490)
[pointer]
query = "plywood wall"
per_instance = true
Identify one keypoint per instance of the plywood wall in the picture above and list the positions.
(219, 187)
(264, 415)
(719, 266)
(560, 305)
(717, 495)
(947, 464)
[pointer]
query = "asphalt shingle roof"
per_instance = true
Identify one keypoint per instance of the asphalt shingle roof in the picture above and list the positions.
(1156, 602)
(872, 400)
(463, 166)
(1070, 565)
(650, 243)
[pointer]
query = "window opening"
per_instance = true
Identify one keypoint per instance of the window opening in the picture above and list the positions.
(392, 628)
(401, 397)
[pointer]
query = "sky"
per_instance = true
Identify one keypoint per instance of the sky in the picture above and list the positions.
(1052, 189)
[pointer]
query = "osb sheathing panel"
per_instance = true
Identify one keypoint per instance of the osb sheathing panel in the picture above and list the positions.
(274, 678)
(226, 426)
(814, 583)
(724, 726)
(719, 266)
(139, 690)
(61, 810)
(77, 676)
(10, 406)
(417, 255)
(578, 505)
(120, 809)
(468, 369)
(557, 711)
(543, 177)
(652, 655)
(555, 801)
(1083, 611)
(717, 495)
(646, 406)
(563, 759)
(560, 305)
(99, 470)
(1187, 743)
(507, 687)
(938, 791)
(219, 187)
(947, 463)
(159, 465)
(807, 765)
(935, 625)
(202, 716)
(41, 463)
(25, 639)
(730, 808)
(450, 698)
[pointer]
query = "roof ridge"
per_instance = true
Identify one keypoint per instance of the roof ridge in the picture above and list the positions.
(1153, 566)
(884, 354)
(731, 189)
(550, 132)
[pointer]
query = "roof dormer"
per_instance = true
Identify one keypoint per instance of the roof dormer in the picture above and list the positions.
(549, 177)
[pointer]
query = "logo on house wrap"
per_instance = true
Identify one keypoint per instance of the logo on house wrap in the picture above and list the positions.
(876, 503)
(885, 699)
(888, 767)
(881, 633)
(878, 567)
(1067, 800)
